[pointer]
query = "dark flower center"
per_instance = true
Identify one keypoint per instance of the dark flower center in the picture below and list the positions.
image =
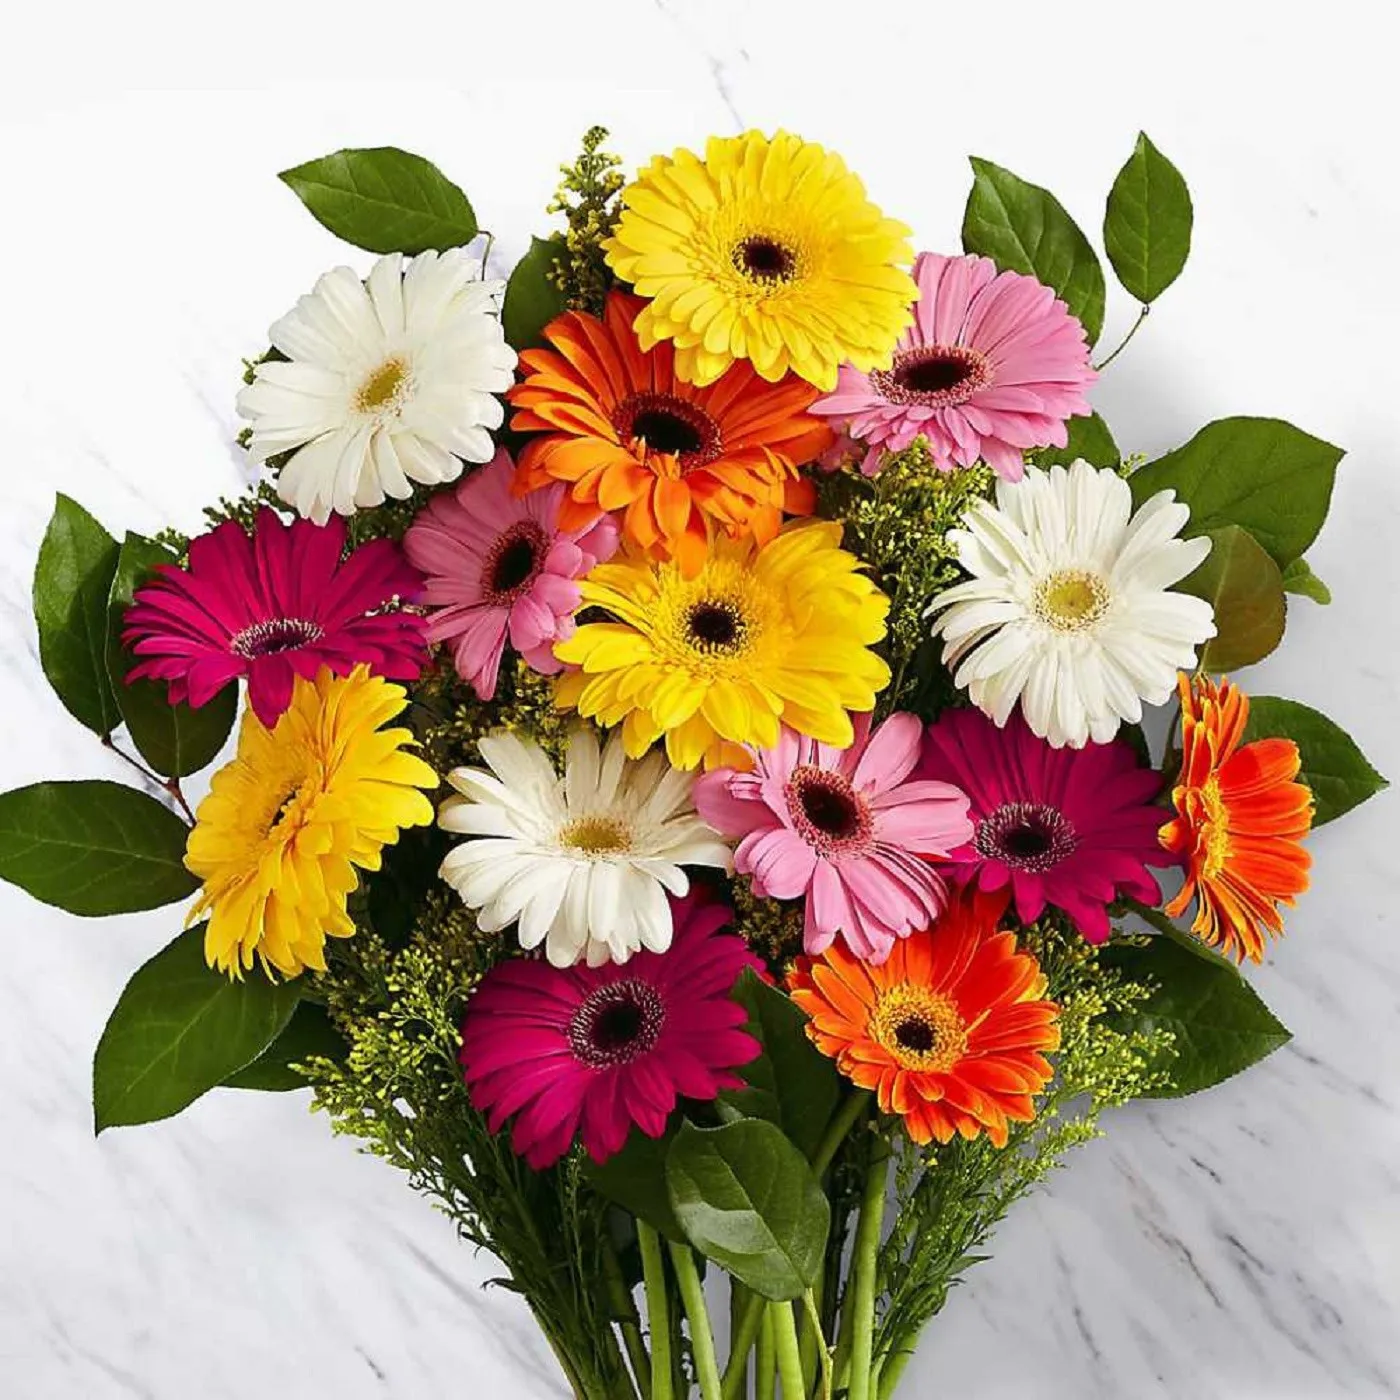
(935, 376)
(666, 432)
(616, 1023)
(1026, 836)
(277, 634)
(827, 810)
(915, 1034)
(664, 423)
(513, 562)
(763, 259)
(715, 626)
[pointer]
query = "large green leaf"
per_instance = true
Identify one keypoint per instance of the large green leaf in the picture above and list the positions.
(1243, 584)
(384, 200)
(309, 1035)
(93, 848)
(1333, 766)
(1024, 228)
(1261, 473)
(532, 298)
(1299, 578)
(635, 1179)
(71, 581)
(1147, 224)
(175, 740)
(1089, 438)
(791, 1084)
(1219, 1024)
(746, 1198)
(178, 1030)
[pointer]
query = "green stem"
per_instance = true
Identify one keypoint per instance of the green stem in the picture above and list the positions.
(843, 1120)
(658, 1311)
(766, 1361)
(625, 1310)
(892, 1371)
(864, 1261)
(702, 1341)
(1123, 344)
(738, 1295)
(785, 1345)
(814, 1318)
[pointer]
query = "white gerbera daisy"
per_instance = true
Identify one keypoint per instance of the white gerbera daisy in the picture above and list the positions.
(582, 862)
(386, 382)
(1067, 609)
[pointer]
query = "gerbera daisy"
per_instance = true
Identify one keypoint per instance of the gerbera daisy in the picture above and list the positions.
(844, 830)
(1067, 609)
(993, 365)
(951, 1032)
(587, 1052)
(583, 862)
(500, 567)
(1240, 818)
(1075, 828)
(301, 807)
(274, 607)
(765, 250)
(383, 383)
(625, 432)
(761, 634)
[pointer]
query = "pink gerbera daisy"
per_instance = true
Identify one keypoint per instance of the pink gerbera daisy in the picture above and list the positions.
(993, 365)
(272, 607)
(588, 1051)
(500, 565)
(842, 828)
(1075, 828)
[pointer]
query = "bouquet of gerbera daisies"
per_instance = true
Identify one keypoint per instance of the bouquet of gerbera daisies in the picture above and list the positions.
(692, 808)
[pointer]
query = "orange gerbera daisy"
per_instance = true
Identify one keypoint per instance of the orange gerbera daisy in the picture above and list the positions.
(1239, 819)
(626, 433)
(949, 1031)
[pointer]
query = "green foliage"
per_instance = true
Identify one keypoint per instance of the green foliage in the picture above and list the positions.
(588, 198)
(1089, 438)
(93, 848)
(1333, 766)
(308, 1036)
(746, 1198)
(1262, 474)
(1218, 1022)
(1147, 224)
(178, 1030)
(1244, 586)
(175, 740)
(635, 1179)
(1299, 578)
(71, 582)
(533, 294)
(384, 200)
(1026, 229)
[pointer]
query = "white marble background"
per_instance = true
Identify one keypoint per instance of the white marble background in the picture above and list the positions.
(1238, 1246)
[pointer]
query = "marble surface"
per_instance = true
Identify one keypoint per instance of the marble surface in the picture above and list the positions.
(1239, 1246)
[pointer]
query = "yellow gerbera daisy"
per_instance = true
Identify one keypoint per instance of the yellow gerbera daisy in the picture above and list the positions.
(278, 838)
(762, 634)
(766, 251)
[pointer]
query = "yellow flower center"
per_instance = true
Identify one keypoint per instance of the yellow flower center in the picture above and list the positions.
(922, 1029)
(596, 836)
(1214, 827)
(713, 624)
(1071, 600)
(384, 388)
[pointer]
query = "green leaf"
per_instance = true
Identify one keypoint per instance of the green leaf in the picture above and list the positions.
(1299, 578)
(71, 580)
(1089, 438)
(178, 1030)
(93, 848)
(532, 300)
(746, 1198)
(1220, 1025)
(1147, 225)
(1243, 584)
(791, 1084)
(175, 740)
(384, 200)
(1333, 766)
(308, 1035)
(635, 1179)
(1024, 228)
(1263, 474)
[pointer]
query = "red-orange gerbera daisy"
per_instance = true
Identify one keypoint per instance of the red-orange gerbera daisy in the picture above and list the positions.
(1239, 819)
(949, 1031)
(627, 434)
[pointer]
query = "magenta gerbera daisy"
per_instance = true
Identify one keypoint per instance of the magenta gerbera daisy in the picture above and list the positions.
(501, 566)
(586, 1052)
(843, 830)
(992, 366)
(272, 607)
(1075, 828)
